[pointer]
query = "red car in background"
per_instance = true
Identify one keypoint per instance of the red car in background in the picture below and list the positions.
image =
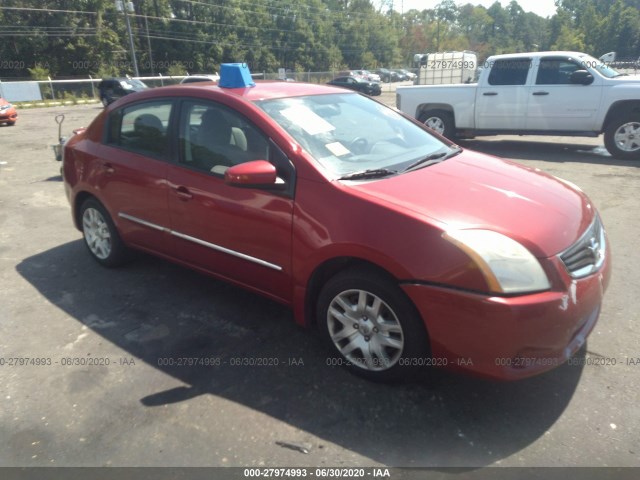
(8, 113)
(402, 248)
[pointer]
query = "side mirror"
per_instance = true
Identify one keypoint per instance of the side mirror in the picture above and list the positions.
(258, 173)
(581, 77)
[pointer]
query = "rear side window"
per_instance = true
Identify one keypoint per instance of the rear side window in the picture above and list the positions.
(141, 128)
(510, 72)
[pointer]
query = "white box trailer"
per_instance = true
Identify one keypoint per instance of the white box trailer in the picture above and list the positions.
(446, 68)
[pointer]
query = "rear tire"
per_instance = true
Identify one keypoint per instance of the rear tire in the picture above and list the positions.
(373, 328)
(101, 236)
(622, 137)
(440, 121)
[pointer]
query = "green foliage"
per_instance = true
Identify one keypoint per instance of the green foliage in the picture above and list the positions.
(89, 37)
(176, 70)
(39, 72)
(569, 39)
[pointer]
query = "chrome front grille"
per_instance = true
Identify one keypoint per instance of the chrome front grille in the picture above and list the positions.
(586, 256)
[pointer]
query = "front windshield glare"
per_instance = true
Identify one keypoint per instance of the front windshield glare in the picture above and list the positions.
(604, 69)
(349, 133)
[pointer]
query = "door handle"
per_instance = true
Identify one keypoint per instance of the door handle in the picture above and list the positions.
(490, 94)
(541, 93)
(108, 168)
(183, 193)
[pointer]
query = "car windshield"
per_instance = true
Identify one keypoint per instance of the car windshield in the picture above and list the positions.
(602, 68)
(348, 133)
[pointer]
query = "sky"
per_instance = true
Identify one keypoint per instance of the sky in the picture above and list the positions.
(544, 8)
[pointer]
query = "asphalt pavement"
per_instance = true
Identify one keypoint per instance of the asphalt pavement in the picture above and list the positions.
(109, 381)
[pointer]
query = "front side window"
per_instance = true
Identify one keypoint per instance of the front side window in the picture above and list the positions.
(141, 128)
(510, 72)
(214, 138)
(555, 71)
(602, 68)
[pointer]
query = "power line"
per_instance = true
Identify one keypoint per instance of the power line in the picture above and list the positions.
(29, 9)
(289, 10)
(227, 25)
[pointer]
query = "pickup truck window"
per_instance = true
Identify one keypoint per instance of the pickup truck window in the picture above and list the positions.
(554, 71)
(602, 68)
(510, 72)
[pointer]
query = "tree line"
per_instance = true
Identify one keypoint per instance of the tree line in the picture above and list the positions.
(70, 38)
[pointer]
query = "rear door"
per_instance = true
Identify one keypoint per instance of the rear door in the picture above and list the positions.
(501, 102)
(130, 172)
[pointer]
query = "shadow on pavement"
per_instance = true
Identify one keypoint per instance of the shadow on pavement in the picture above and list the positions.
(547, 151)
(154, 310)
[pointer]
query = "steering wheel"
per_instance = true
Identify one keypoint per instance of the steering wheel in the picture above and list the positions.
(359, 145)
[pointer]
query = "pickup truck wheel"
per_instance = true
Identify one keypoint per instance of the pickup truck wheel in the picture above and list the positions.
(439, 121)
(622, 137)
(371, 325)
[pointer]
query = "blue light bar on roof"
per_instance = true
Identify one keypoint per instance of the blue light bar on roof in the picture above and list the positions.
(235, 75)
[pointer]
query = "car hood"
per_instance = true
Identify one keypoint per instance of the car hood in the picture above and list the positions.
(472, 190)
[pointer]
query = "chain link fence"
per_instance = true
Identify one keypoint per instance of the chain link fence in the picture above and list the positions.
(79, 90)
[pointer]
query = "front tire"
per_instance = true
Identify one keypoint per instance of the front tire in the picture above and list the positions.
(440, 122)
(371, 325)
(101, 236)
(622, 137)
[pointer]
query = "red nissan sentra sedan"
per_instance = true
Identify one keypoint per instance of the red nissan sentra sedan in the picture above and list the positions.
(402, 248)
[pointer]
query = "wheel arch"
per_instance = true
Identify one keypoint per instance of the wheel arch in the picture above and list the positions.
(425, 107)
(79, 199)
(331, 267)
(622, 107)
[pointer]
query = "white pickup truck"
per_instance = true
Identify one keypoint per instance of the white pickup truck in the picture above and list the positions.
(541, 93)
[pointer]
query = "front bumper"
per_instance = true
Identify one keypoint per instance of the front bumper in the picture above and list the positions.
(8, 116)
(509, 338)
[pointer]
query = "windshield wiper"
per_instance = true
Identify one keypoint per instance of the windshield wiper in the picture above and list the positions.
(370, 173)
(433, 158)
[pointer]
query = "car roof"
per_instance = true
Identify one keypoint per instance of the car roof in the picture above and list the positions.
(204, 75)
(263, 90)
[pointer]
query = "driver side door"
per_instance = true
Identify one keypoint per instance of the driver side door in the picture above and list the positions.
(557, 104)
(240, 234)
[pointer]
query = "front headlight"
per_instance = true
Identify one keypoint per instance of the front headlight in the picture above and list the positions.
(507, 266)
(5, 107)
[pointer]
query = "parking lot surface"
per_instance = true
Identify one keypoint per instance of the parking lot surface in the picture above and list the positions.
(110, 378)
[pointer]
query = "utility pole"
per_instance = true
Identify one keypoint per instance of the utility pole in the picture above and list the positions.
(128, 7)
(146, 26)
